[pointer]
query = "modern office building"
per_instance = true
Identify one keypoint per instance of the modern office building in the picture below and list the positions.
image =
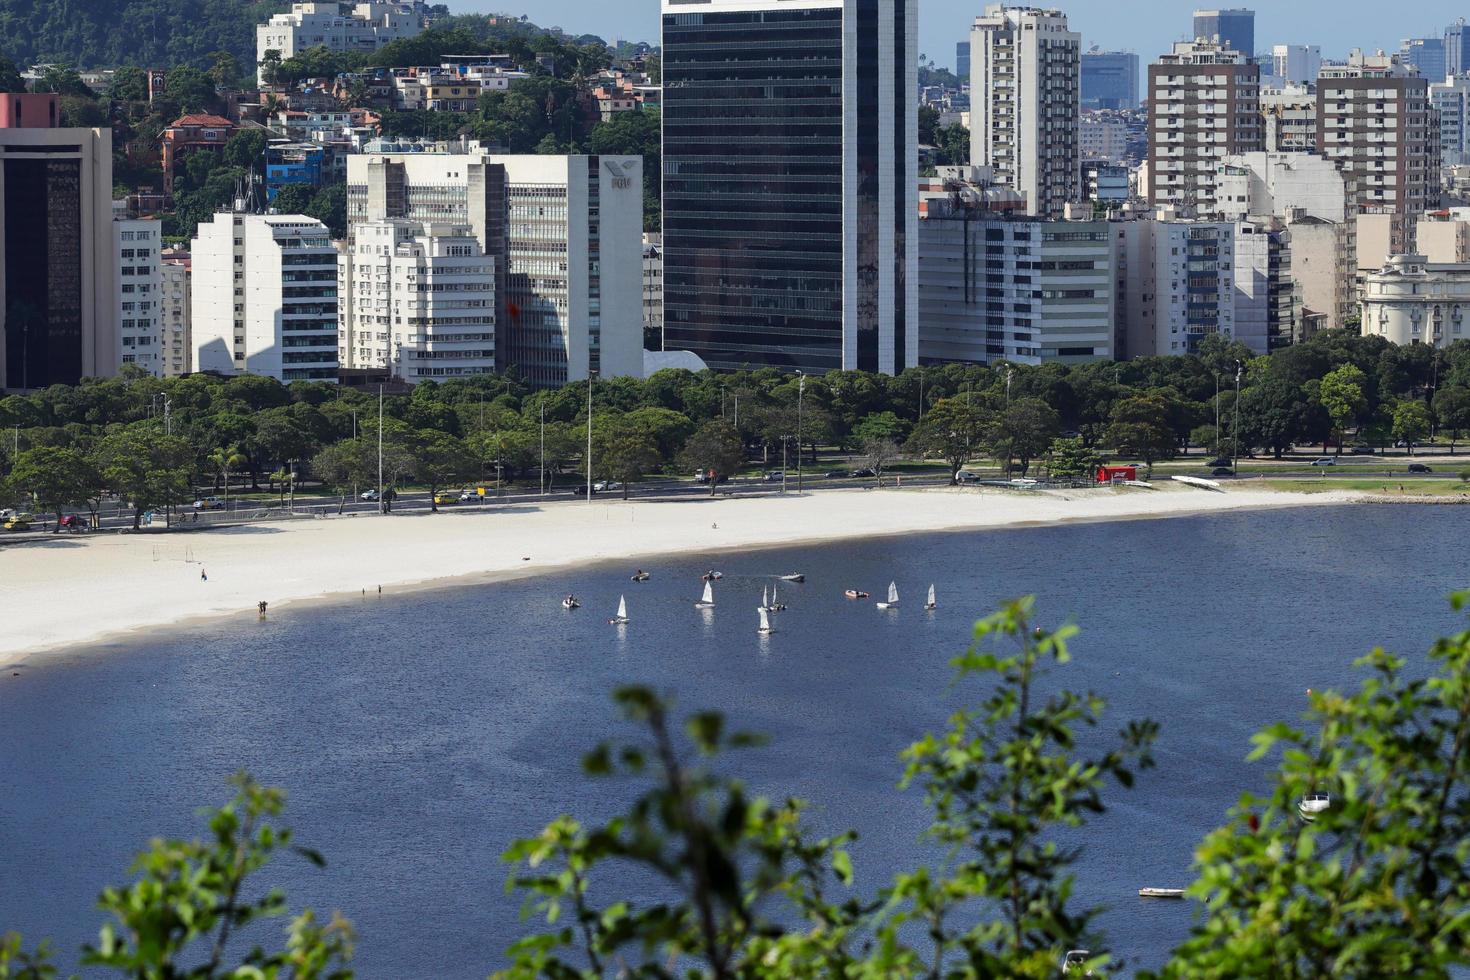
(996, 285)
(178, 346)
(962, 60)
(1413, 301)
(790, 135)
(264, 297)
(566, 236)
(1295, 64)
(1109, 79)
(1374, 122)
(58, 268)
(1204, 105)
(1235, 28)
(416, 299)
(1024, 103)
(1426, 55)
(137, 243)
(1456, 56)
(1451, 101)
(336, 26)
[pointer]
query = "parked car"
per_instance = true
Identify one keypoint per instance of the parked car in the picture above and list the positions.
(17, 522)
(468, 496)
(775, 476)
(836, 475)
(1362, 450)
(445, 497)
(368, 495)
(1324, 461)
(607, 486)
(6, 513)
(701, 477)
(965, 476)
(1218, 461)
(72, 522)
(1222, 471)
(1419, 468)
(1401, 444)
(865, 471)
(209, 503)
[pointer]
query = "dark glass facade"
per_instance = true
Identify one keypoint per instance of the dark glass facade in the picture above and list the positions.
(43, 272)
(775, 217)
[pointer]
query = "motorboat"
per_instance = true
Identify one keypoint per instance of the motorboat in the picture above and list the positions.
(855, 594)
(570, 602)
(892, 602)
(622, 617)
(1313, 804)
(794, 578)
(706, 601)
(929, 603)
(1161, 893)
(712, 576)
(641, 576)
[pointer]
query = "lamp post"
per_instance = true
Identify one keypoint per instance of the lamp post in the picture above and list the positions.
(1235, 427)
(800, 391)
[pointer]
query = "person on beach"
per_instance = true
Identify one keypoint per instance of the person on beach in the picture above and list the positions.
(203, 577)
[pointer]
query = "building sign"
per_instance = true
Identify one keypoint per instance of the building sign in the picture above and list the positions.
(621, 180)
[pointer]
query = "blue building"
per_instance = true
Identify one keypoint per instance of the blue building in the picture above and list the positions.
(1236, 27)
(962, 61)
(1109, 80)
(293, 163)
(1426, 54)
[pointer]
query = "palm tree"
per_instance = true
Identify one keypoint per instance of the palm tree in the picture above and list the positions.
(224, 460)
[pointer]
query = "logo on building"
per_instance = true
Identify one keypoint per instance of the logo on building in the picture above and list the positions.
(620, 177)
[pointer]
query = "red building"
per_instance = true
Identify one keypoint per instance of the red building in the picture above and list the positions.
(24, 110)
(191, 134)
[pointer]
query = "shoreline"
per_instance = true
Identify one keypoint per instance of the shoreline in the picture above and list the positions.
(62, 596)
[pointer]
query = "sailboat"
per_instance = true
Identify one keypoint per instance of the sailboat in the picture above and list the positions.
(707, 601)
(622, 616)
(892, 602)
(765, 626)
(929, 603)
(776, 604)
(765, 599)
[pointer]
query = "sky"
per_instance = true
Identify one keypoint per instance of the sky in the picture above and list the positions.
(1145, 26)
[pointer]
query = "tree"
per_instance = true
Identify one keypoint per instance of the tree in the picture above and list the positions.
(878, 452)
(1376, 885)
(224, 460)
(1341, 394)
(244, 149)
(1452, 410)
(224, 70)
(1070, 459)
(1140, 427)
(950, 430)
(346, 465)
(1411, 422)
(10, 80)
(714, 449)
(146, 467)
(624, 453)
(292, 199)
(55, 477)
(191, 88)
(1024, 429)
(441, 461)
(881, 425)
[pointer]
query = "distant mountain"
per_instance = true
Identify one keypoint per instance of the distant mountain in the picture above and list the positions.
(147, 33)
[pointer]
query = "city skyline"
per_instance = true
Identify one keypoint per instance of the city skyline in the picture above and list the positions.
(1147, 27)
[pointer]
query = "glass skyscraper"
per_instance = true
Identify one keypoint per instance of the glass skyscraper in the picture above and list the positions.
(790, 197)
(1109, 80)
(1236, 27)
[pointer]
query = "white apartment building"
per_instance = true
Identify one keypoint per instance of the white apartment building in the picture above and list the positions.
(997, 286)
(566, 233)
(264, 297)
(137, 243)
(178, 346)
(1451, 99)
(1204, 104)
(1102, 136)
(1413, 301)
(1290, 115)
(417, 299)
(364, 27)
(1024, 104)
(1295, 64)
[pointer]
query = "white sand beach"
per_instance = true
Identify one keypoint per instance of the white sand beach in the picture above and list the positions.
(57, 595)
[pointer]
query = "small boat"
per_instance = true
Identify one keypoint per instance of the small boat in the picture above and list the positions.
(765, 626)
(892, 602)
(640, 576)
(855, 594)
(712, 576)
(794, 578)
(622, 616)
(706, 601)
(1161, 893)
(1313, 804)
(570, 602)
(929, 603)
(776, 604)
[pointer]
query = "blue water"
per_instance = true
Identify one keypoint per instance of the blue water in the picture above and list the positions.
(418, 734)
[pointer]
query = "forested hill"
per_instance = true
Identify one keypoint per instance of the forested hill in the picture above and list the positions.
(104, 33)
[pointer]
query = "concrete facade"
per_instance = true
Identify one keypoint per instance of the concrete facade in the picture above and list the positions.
(364, 27)
(137, 244)
(1412, 301)
(178, 345)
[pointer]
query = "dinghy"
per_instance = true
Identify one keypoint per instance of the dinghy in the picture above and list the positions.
(892, 602)
(706, 601)
(622, 617)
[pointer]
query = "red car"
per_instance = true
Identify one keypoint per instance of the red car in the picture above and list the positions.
(72, 522)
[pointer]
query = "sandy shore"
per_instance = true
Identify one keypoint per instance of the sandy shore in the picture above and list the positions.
(72, 590)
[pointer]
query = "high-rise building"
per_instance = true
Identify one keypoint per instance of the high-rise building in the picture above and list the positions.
(264, 297)
(1109, 79)
(1102, 135)
(137, 243)
(962, 60)
(1024, 103)
(1451, 100)
(1456, 55)
(1295, 64)
(653, 292)
(1374, 122)
(1290, 117)
(178, 346)
(566, 236)
(1235, 28)
(58, 267)
(790, 136)
(1426, 55)
(417, 299)
(1204, 104)
(360, 28)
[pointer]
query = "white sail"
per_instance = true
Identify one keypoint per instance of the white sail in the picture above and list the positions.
(765, 597)
(622, 607)
(709, 594)
(892, 593)
(765, 620)
(930, 600)
(773, 596)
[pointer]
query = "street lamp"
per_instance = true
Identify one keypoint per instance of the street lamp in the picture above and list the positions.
(1235, 428)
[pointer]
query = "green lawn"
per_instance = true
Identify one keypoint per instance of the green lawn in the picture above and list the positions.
(1408, 488)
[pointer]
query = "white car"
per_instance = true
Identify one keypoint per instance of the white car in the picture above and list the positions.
(1324, 461)
(603, 486)
(6, 513)
(369, 495)
(468, 496)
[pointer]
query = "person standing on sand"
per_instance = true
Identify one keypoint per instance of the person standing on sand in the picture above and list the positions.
(203, 576)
